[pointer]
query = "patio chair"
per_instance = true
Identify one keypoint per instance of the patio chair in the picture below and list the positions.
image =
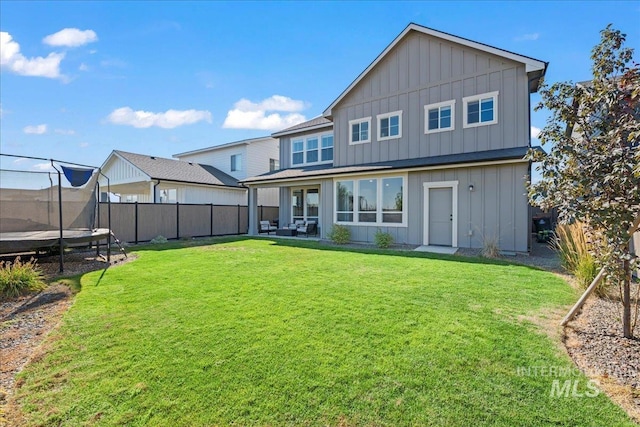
(266, 227)
(309, 227)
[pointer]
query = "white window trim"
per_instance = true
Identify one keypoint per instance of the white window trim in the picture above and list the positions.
(466, 100)
(238, 168)
(304, 139)
(454, 209)
(438, 105)
(379, 118)
(379, 211)
(358, 121)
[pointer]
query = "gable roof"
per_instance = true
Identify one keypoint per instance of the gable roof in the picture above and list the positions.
(177, 170)
(226, 145)
(313, 124)
(535, 68)
(316, 171)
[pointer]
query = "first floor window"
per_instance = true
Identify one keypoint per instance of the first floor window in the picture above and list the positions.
(236, 162)
(344, 201)
(389, 125)
(439, 117)
(359, 131)
(377, 201)
(480, 109)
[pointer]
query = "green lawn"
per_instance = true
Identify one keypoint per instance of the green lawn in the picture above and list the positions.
(257, 332)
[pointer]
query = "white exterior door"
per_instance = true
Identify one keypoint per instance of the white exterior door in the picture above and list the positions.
(440, 214)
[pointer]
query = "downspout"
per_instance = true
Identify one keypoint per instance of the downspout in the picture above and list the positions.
(155, 188)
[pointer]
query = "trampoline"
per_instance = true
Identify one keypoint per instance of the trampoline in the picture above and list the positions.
(43, 210)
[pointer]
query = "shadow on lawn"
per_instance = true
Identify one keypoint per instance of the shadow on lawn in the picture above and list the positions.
(328, 246)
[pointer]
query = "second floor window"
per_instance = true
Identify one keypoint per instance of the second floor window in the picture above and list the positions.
(236, 162)
(480, 110)
(390, 125)
(274, 165)
(360, 131)
(312, 149)
(439, 117)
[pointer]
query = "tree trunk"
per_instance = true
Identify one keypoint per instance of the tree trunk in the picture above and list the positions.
(626, 302)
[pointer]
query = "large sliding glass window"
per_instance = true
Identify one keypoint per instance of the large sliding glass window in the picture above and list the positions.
(305, 204)
(379, 201)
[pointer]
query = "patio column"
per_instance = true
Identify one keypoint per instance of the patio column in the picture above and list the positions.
(253, 211)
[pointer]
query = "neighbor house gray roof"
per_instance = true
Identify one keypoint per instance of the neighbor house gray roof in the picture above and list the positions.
(177, 170)
(315, 123)
(514, 153)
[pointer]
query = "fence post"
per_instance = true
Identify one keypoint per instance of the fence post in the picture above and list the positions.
(238, 219)
(261, 215)
(135, 231)
(178, 220)
(211, 217)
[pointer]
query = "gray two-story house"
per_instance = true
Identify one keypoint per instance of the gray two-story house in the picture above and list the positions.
(427, 143)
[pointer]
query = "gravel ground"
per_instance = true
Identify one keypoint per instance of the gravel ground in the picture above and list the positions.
(27, 320)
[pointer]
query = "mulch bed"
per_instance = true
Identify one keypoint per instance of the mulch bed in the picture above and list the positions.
(593, 340)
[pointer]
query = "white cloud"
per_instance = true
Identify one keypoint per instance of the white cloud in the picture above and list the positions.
(13, 60)
(65, 131)
(83, 67)
(535, 132)
(264, 115)
(42, 167)
(71, 37)
(167, 120)
(35, 130)
(527, 37)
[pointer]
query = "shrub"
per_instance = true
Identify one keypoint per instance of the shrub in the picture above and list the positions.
(20, 277)
(339, 234)
(575, 252)
(383, 240)
(490, 247)
(158, 240)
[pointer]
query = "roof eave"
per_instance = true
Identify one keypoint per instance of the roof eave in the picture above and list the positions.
(310, 128)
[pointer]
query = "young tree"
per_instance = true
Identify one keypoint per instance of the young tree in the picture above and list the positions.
(592, 170)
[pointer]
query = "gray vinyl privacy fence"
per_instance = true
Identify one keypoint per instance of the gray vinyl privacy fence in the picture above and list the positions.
(141, 222)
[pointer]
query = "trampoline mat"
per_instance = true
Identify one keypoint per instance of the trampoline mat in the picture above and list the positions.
(22, 241)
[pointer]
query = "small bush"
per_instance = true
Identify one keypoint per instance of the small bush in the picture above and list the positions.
(574, 250)
(20, 277)
(490, 247)
(382, 239)
(339, 234)
(158, 240)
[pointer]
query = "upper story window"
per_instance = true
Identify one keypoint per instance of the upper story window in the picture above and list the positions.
(236, 162)
(312, 149)
(389, 125)
(480, 110)
(274, 165)
(360, 130)
(439, 117)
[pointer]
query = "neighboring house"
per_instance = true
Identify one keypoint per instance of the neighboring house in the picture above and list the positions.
(428, 144)
(150, 179)
(242, 159)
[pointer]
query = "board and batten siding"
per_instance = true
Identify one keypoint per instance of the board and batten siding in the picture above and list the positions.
(121, 172)
(423, 70)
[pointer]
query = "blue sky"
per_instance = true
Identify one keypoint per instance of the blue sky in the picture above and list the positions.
(80, 79)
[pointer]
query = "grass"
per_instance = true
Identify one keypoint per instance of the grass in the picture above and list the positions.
(252, 332)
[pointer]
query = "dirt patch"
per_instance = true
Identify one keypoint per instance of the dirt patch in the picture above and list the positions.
(27, 320)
